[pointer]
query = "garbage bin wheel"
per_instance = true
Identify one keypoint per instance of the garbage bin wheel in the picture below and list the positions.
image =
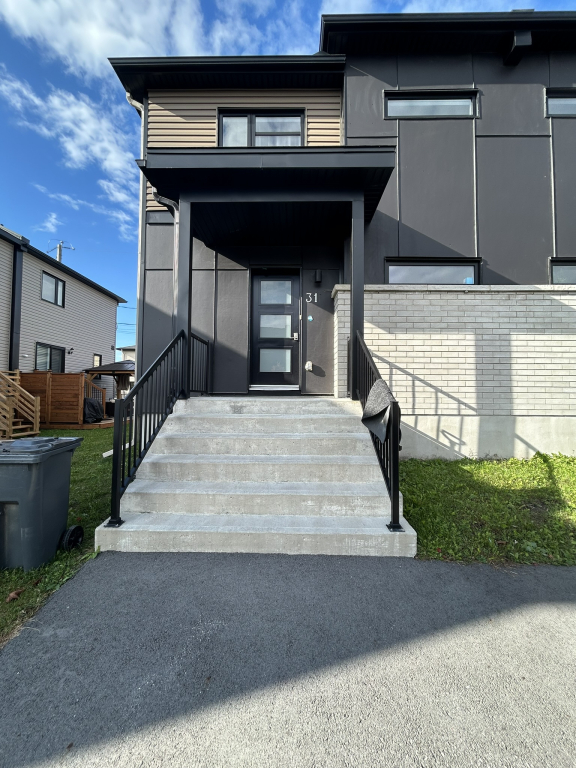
(71, 538)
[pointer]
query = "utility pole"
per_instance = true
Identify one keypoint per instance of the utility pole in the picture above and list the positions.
(58, 248)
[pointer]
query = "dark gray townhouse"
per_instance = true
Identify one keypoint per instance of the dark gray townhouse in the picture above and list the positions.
(413, 182)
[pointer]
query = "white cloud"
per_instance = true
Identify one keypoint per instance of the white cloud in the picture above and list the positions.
(50, 224)
(125, 221)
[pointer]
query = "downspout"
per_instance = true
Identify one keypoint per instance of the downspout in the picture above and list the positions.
(174, 208)
(141, 216)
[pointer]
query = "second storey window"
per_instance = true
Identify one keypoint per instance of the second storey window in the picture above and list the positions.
(403, 106)
(261, 129)
(562, 106)
(52, 289)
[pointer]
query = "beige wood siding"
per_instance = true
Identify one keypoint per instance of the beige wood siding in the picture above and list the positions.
(6, 257)
(87, 322)
(190, 118)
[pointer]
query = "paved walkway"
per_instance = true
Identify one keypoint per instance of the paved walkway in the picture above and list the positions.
(243, 660)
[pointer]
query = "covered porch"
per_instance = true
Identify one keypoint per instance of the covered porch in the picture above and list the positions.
(292, 211)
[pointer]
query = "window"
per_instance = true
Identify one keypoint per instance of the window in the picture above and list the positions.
(261, 129)
(564, 273)
(49, 358)
(404, 105)
(96, 361)
(423, 273)
(52, 289)
(562, 106)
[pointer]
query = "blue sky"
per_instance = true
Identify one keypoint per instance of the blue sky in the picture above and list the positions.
(68, 137)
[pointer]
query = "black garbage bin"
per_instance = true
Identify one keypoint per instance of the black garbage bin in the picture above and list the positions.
(34, 494)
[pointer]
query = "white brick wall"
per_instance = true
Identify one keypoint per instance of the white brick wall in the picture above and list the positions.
(483, 350)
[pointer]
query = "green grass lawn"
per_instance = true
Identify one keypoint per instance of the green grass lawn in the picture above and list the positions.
(89, 506)
(511, 511)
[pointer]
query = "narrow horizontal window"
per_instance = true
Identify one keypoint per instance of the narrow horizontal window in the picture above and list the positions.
(432, 274)
(564, 274)
(261, 129)
(433, 107)
(560, 106)
(52, 289)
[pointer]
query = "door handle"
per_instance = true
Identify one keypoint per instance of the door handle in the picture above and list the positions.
(295, 336)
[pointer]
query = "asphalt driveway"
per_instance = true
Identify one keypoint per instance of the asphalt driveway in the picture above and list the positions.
(264, 660)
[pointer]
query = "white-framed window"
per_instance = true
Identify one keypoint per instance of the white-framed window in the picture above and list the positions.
(53, 289)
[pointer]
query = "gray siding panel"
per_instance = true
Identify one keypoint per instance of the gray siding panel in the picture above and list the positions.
(159, 246)
(6, 259)
(367, 78)
(564, 143)
(86, 324)
(158, 306)
(436, 161)
(515, 209)
(562, 70)
(382, 233)
(512, 99)
(202, 321)
(435, 71)
(202, 256)
(231, 344)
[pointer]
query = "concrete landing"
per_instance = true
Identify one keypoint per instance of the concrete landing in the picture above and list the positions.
(264, 475)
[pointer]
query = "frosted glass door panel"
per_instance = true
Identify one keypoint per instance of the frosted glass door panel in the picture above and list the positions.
(276, 292)
(275, 360)
(275, 326)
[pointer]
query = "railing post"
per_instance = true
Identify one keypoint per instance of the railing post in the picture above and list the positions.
(394, 427)
(37, 414)
(115, 520)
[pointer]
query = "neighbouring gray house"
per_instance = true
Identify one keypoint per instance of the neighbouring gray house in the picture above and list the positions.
(403, 199)
(52, 317)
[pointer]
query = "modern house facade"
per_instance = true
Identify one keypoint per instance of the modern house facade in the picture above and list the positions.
(52, 317)
(414, 181)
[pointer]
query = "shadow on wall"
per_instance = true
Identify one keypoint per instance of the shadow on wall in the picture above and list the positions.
(495, 425)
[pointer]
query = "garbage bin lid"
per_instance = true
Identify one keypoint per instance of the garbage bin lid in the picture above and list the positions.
(38, 445)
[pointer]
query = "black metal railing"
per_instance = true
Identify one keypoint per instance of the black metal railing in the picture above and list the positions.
(388, 452)
(138, 417)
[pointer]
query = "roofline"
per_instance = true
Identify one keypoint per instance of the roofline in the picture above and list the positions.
(508, 20)
(24, 243)
(206, 62)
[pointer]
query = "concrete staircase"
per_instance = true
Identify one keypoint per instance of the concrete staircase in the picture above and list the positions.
(293, 475)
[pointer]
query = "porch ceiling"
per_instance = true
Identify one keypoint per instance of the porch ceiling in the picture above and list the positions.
(295, 175)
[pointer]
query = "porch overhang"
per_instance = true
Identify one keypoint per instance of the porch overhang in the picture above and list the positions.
(288, 174)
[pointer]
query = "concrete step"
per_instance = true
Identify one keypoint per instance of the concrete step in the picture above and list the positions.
(267, 405)
(290, 499)
(332, 423)
(248, 444)
(278, 469)
(271, 534)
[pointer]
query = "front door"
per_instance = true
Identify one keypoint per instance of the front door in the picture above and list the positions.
(275, 346)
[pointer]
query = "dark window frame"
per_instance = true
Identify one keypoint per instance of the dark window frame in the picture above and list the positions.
(50, 347)
(559, 93)
(58, 280)
(416, 95)
(562, 261)
(98, 376)
(252, 114)
(407, 261)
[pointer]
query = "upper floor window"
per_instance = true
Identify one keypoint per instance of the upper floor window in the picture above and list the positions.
(402, 105)
(261, 129)
(52, 289)
(562, 106)
(431, 273)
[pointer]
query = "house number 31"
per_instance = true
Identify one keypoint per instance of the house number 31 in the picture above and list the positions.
(309, 298)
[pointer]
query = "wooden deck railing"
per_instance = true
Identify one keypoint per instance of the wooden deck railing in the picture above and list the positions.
(96, 392)
(19, 410)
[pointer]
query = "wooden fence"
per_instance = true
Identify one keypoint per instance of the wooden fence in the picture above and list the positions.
(61, 395)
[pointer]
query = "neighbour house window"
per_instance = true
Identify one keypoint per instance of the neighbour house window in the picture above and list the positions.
(562, 106)
(52, 289)
(564, 273)
(49, 358)
(96, 361)
(403, 105)
(423, 273)
(261, 129)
